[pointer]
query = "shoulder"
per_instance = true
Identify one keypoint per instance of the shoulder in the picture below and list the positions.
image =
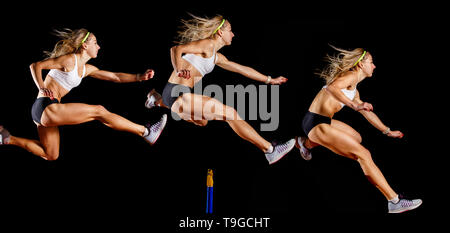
(204, 44)
(345, 80)
(347, 77)
(67, 60)
(221, 58)
(90, 69)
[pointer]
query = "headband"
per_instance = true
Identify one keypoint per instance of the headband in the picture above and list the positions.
(360, 58)
(84, 39)
(221, 24)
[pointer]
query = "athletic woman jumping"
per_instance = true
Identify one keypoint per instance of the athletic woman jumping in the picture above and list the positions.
(67, 65)
(342, 76)
(194, 57)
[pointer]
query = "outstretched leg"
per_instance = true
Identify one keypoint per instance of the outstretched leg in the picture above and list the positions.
(200, 109)
(197, 108)
(77, 113)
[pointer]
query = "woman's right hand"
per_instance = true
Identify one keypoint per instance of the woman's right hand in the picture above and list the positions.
(364, 106)
(184, 73)
(46, 92)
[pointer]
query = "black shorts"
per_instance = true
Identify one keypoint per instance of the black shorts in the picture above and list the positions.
(172, 91)
(39, 106)
(310, 120)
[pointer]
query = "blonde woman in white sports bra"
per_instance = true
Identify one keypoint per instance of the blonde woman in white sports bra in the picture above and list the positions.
(194, 57)
(67, 65)
(342, 76)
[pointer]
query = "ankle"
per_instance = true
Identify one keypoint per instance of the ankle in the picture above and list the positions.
(146, 132)
(269, 150)
(395, 199)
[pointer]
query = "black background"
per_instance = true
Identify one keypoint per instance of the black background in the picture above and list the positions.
(107, 178)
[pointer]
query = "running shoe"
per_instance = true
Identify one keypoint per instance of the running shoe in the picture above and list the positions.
(279, 151)
(152, 97)
(4, 135)
(155, 130)
(403, 205)
(304, 152)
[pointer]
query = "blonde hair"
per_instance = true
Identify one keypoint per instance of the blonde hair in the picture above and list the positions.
(70, 42)
(341, 63)
(198, 28)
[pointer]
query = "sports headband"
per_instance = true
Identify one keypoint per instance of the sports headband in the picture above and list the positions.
(84, 39)
(360, 58)
(221, 24)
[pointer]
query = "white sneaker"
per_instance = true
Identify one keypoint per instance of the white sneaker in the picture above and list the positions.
(4, 135)
(279, 151)
(403, 205)
(152, 97)
(155, 130)
(304, 152)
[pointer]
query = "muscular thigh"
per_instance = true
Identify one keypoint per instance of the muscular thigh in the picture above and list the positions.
(346, 129)
(198, 107)
(69, 114)
(335, 140)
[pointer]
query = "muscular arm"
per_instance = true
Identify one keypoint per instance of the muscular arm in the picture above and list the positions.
(371, 117)
(374, 120)
(246, 71)
(117, 76)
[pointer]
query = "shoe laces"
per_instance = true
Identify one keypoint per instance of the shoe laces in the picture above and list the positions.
(155, 127)
(281, 147)
(406, 203)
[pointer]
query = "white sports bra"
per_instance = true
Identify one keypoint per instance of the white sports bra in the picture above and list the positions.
(67, 80)
(349, 93)
(203, 65)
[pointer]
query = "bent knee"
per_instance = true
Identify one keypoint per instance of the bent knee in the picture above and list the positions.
(99, 110)
(363, 155)
(358, 137)
(51, 156)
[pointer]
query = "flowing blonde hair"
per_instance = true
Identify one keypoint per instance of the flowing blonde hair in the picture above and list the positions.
(198, 28)
(70, 42)
(341, 63)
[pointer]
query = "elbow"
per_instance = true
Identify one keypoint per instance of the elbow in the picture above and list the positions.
(173, 49)
(35, 67)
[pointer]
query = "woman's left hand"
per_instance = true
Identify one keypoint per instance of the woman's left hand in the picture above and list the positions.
(395, 134)
(278, 81)
(147, 75)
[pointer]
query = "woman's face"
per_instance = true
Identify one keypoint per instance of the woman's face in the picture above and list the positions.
(367, 65)
(227, 35)
(91, 46)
